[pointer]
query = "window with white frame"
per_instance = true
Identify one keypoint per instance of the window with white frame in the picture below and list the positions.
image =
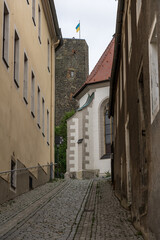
(16, 59)
(5, 50)
(138, 8)
(48, 127)
(43, 117)
(154, 72)
(129, 31)
(34, 11)
(25, 81)
(49, 54)
(32, 94)
(39, 23)
(38, 106)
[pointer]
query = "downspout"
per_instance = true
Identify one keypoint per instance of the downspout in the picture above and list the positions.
(54, 46)
(52, 106)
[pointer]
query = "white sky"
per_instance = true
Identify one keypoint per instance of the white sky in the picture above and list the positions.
(97, 20)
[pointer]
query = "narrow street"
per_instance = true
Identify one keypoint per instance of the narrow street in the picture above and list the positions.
(66, 210)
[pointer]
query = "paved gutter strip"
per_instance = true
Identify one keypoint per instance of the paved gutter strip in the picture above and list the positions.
(79, 214)
(19, 219)
(84, 227)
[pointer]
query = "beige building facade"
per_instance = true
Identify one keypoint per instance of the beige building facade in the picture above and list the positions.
(30, 36)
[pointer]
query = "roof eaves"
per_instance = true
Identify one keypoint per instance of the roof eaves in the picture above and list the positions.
(116, 55)
(86, 84)
(55, 20)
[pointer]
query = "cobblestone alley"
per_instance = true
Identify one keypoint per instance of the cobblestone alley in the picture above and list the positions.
(66, 210)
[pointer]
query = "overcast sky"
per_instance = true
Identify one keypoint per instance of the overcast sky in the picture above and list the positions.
(97, 19)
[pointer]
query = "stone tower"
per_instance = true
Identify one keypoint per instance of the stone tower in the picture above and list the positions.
(71, 72)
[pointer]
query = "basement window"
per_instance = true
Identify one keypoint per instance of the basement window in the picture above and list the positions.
(30, 183)
(13, 174)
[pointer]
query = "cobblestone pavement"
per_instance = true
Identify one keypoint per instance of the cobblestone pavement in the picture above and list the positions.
(103, 218)
(67, 210)
(52, 217)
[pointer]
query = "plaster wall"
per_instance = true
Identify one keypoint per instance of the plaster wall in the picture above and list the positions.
(20, 136)
(88, 125)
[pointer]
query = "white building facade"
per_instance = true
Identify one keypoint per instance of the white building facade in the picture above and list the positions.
(89, 139)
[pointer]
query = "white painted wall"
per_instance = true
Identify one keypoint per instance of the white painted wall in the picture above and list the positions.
(93, 144)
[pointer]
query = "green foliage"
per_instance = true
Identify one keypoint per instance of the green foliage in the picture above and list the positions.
(108, 174)
(60, 152)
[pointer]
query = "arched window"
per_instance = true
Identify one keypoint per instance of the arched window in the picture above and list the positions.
(105, 130)
(107, 135)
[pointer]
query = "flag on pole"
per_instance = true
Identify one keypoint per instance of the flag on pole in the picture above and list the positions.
(78, 27)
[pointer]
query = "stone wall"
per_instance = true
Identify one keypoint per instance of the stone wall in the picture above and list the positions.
(71, 73)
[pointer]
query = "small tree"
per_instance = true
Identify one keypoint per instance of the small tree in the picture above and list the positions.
(60, 151)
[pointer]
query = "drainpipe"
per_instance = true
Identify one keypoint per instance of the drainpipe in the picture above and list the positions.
(52, 107)
(54, 47)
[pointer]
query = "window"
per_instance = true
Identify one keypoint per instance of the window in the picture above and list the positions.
(154, 73)
(5, 51)
(13, 174)
(30, 183)
(107, 134)
(48, 56)
(72, 73)
(124, 64)
(39, 23)
(138, 8)
(33, 11)
(25, 81)
(16, 59)
(117, 98)
(48, 135)
(38, 107)
(121, 86)
(129, 31)
(32, 94)
(43, 117)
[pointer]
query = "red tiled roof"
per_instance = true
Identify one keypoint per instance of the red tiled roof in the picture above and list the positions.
(102, 70)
